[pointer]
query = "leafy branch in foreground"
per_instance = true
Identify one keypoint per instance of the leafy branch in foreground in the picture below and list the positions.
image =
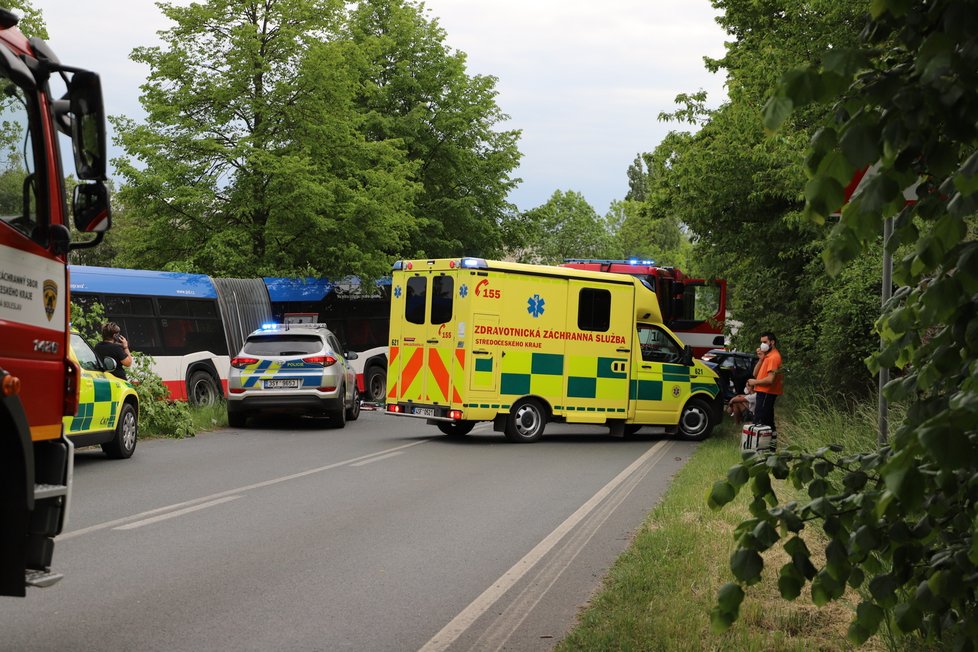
(904, 106)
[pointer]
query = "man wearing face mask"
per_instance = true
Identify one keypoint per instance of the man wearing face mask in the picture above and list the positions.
(767, 380)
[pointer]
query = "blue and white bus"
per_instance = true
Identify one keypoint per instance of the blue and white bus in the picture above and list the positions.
(192, 323)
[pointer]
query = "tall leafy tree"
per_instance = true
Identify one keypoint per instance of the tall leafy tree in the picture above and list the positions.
(566, 226)
(901, 521)
(417, 90)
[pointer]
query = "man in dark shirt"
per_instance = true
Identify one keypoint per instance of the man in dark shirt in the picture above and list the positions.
(115, 346)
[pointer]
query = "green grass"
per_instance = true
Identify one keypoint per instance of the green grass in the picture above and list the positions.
(658, 594)
(209, 417)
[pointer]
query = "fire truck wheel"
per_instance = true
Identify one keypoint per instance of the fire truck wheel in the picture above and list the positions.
(376, 384)
(353, 412)
(526, 421)
(124, 443)
(696, 420)
(202, 389)
(456, 428)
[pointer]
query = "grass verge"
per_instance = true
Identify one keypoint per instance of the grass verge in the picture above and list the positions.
(658, 594)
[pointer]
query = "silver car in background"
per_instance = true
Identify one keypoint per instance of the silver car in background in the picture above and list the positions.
(299, 369)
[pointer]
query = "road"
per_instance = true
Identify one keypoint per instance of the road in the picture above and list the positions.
(290, 535)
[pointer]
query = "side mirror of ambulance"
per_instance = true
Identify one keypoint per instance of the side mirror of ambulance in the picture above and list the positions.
(108, 363)
(687, 356)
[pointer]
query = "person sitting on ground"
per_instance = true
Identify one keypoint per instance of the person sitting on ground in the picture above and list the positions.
(741, 407)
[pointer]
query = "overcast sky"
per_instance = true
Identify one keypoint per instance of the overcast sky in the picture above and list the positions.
(584, 80)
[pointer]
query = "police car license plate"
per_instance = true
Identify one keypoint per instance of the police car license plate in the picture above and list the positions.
(428, 412)
(287, 383)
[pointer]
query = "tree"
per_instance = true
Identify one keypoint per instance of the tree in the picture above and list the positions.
(901, 520)
(640, 233)
(416, 91)
(565, 227)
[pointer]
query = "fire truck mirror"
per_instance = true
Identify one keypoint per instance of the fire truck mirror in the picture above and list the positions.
(90, 205)
(87, 125)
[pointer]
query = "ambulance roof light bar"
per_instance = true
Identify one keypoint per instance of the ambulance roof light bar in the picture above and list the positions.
(474, 263)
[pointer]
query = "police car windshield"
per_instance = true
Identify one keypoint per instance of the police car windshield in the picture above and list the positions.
(282, 344)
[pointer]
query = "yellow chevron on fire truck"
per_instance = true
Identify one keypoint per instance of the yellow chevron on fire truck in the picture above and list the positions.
(520, 345)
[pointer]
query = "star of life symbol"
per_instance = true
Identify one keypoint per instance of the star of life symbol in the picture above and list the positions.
(397, 292)
(535, 305)
(463, 291)
(675, 391)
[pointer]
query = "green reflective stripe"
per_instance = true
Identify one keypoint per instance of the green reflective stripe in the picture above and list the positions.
(83, 420)
(706, 387)
(578, 387)
(103, 390)
(646, 390)
(514, 384)
(675, 369)
(547, 363)
(483, 364)
(606, 370)
(676, 378)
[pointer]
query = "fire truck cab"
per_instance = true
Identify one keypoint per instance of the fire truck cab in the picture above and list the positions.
(38, 379)
(694, 309)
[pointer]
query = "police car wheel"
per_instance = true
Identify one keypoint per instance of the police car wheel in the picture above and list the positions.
(353, 412)
(456, 428)
(526, 421)
(338, 417)
(124, 443)
(696, 420)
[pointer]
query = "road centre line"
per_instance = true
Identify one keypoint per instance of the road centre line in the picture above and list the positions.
(179, 512)
(378, 458)
(221, 494)
(458, 625)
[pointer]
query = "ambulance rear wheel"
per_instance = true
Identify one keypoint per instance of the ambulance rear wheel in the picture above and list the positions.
(124, 443)
(696, 420)
(526, 421)
(456, 428)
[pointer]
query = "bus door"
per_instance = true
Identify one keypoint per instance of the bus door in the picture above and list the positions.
(430, 367)
(660, 382)
(698, 314)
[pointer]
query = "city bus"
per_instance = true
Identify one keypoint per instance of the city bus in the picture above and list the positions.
(193, 323)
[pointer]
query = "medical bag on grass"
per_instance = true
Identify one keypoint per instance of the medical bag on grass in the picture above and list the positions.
(756, 437)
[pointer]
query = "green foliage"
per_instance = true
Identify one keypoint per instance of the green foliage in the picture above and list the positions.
(31, 21)
(310, 137)
(901, 520)
(158, 415)
(564, 227)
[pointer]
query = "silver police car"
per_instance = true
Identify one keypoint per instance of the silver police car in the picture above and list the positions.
(297, 368)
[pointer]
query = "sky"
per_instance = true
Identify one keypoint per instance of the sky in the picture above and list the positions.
(583, 80)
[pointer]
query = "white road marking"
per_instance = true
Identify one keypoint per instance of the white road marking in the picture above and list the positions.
(179, 512)
(378, 458)
(221, 494)
(453, 630)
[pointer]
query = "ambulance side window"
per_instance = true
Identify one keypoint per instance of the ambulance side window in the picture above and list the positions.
(594, 310)
(442, 299)
(417, 290)
(657, 346)
(87, 359)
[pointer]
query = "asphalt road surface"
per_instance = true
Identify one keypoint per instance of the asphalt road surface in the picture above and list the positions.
(385, 535)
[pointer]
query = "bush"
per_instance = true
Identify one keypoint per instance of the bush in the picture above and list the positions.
(158, 414)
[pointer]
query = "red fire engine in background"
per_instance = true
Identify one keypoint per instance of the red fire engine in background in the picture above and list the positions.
(694, 309)
(38, 379)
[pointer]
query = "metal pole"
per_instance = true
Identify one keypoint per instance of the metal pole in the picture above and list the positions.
(886, 293)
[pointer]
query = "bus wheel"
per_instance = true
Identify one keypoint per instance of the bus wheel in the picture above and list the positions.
(456, 428)
(124, 443)
(526, 421)
(201, 389)
(696, 420)
(353, 412)
(376, 384)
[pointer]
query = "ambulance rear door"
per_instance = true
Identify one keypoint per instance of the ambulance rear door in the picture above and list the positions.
(429, 368)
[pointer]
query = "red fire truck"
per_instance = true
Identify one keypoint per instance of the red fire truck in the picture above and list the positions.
(692, 308)
(38, 381)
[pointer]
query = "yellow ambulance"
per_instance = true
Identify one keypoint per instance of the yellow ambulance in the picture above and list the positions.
(523, 345)
(108, 407)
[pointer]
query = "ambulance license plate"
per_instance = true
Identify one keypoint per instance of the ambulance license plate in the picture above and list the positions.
(428, 412)
(286, 383)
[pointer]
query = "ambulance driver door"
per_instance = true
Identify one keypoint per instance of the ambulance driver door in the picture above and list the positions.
(661, 382)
